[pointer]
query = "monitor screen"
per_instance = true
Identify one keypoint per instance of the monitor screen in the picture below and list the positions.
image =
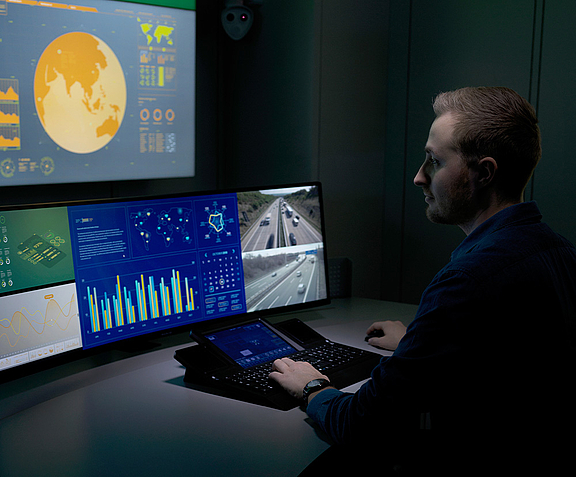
(84, 274)
(95, 90)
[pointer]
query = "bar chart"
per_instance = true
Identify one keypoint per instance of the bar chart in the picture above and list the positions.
(118, 301)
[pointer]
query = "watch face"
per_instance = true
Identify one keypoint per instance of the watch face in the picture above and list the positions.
(315, 385)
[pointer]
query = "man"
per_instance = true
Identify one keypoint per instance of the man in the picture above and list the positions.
(489, 354)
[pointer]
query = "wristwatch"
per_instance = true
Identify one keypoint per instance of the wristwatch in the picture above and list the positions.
(313, 386)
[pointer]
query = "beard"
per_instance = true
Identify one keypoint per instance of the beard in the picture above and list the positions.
(454, 205)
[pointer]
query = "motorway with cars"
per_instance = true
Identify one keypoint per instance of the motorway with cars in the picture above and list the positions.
(279, 226)
(295, 282)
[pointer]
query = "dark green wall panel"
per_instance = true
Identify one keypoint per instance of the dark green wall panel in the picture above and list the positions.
(452, 44)
(554, 187)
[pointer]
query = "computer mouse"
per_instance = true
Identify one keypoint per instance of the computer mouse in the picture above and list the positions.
(374, 334)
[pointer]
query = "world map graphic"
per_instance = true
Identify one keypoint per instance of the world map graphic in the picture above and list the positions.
(170, 224)
(80, 92)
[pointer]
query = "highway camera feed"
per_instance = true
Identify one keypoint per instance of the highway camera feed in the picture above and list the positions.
(282, 247)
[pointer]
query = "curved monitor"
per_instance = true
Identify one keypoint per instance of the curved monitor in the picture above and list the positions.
(85, 274)
(95, 90)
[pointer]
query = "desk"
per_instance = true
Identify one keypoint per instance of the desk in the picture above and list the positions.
(135, 417)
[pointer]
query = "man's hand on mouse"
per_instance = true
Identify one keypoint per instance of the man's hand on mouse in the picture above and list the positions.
(391, 332)
(294, 375)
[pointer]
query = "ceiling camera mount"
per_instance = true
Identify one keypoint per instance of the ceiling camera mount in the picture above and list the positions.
(237, 18)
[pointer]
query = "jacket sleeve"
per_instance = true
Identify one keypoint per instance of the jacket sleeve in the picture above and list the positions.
(418, 377)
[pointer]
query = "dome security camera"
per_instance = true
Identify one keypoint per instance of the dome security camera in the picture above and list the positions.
(236, 21)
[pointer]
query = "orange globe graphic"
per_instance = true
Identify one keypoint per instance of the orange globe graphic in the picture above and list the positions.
(80, 92)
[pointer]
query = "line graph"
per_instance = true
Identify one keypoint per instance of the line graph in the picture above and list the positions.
(9, 114)
(9, 90)
(39, 319)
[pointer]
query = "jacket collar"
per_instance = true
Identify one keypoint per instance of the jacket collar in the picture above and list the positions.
(523, 213)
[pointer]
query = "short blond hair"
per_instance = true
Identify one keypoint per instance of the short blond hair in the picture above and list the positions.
(495, 122)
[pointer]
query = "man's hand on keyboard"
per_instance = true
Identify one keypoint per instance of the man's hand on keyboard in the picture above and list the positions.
(293, 376)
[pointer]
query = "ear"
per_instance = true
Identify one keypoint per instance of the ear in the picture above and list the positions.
(486, 169)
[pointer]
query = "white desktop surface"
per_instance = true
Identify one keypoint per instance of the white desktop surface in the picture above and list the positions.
(136, 417)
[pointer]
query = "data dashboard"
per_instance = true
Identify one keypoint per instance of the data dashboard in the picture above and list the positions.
(90, 273)
(95, 90)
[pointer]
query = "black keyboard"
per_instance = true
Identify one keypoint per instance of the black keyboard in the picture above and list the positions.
(324, 358)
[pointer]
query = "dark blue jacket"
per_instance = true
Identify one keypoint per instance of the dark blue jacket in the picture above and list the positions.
(490, 349)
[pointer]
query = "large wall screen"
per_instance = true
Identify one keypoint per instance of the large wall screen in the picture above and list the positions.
(95, 90)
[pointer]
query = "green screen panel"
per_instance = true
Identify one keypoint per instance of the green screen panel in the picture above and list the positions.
(35, 248)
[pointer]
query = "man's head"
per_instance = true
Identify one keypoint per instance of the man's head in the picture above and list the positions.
(495, 122)
(481, 150)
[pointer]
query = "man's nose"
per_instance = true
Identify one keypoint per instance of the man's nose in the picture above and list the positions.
(421, 178)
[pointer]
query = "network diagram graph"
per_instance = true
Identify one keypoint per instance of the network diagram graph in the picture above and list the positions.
(217, 221)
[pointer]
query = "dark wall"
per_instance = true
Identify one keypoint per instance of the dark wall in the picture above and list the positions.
(305, 100)
(352, 129)
(268, 81)
(447, 44)
(553, 186)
